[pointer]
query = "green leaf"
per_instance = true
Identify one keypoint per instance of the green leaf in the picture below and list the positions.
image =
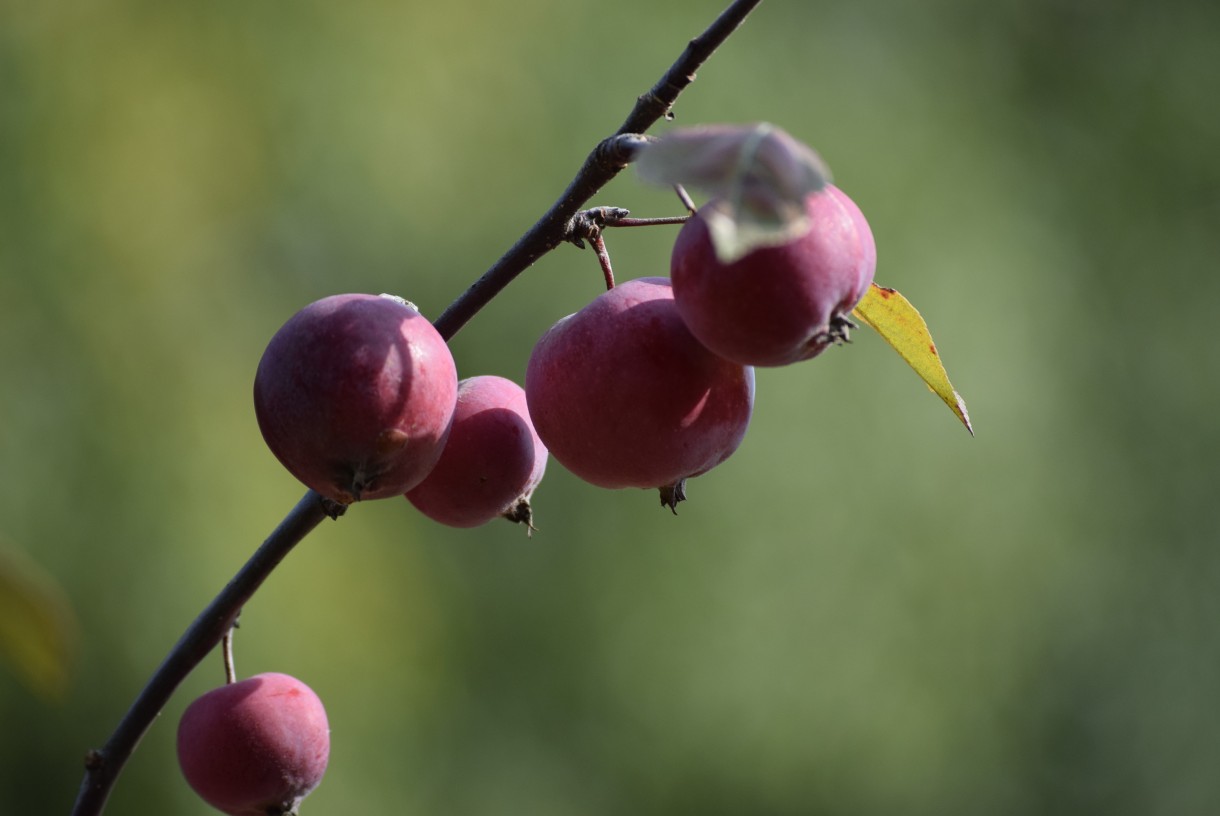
(758, 177)
(38, 631)
(899, 323)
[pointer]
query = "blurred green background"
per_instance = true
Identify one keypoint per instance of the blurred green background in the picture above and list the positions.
(864, 611)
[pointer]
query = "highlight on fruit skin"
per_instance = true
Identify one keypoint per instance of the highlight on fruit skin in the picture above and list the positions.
(779, 304)
(355, 395)
(492, 462)
(256, 747)
(623, 395)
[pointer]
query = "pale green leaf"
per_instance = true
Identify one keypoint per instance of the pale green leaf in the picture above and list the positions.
(758, 177)
(899, 323)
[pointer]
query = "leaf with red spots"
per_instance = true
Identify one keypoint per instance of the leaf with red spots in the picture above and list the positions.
(899, 323)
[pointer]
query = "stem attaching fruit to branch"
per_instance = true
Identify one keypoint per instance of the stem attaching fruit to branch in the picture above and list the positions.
(226, 645)
(603, 258)
(103, 766)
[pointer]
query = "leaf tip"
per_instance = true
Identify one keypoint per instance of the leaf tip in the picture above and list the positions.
(962, 413)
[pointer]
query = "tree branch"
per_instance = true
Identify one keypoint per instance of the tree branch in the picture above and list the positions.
(102, 767)
(602, 165)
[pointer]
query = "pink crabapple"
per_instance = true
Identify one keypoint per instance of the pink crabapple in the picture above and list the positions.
(355, 395)
(492, 462)
(778, 304)
(256, 747)
(624, 396)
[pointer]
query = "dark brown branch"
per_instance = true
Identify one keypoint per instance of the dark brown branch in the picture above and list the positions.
(602, 165)
(102, 766)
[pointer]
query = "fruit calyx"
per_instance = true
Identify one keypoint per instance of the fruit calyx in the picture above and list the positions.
(672, 494)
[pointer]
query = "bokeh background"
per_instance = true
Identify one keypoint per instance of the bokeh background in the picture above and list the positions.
(864, 611)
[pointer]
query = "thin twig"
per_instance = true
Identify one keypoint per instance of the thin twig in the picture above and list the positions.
(102, 766)
(649, 222)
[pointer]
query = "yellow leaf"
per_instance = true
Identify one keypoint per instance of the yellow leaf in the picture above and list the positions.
(37, 628)
(899, 323)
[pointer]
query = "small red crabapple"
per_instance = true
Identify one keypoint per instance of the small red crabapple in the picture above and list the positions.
(778, 304)
(492, 462)
(256, 747)
(355, 394)
(624, 396)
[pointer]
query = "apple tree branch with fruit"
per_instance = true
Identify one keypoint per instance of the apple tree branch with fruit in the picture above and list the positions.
(649, 385)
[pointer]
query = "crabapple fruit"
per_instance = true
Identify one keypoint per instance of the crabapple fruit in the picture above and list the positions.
(256, 747)
(623, 395)
(491, 463)
(355, 395)
(778, 304)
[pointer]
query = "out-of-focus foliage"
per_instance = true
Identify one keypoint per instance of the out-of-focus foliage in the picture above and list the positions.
(38, 629)
(1020, 623)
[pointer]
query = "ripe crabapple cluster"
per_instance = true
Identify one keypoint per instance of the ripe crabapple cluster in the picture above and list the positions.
(649, 384)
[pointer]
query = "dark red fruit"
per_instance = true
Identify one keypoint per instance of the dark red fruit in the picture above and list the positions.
(624, 396)
(355, 394)
(255, 748)
(780, 304)
(491, 463)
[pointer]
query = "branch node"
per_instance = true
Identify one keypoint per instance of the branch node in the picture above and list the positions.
(621, 149)
(587, 225)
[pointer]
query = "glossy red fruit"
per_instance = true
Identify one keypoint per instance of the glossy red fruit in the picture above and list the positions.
(491, 463)
(781, 304)
(355, 395)
(624, 396)
(256, 747)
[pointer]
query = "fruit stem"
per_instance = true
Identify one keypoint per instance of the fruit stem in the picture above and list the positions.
(684, 197)
(603, 258)
(226, 643)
